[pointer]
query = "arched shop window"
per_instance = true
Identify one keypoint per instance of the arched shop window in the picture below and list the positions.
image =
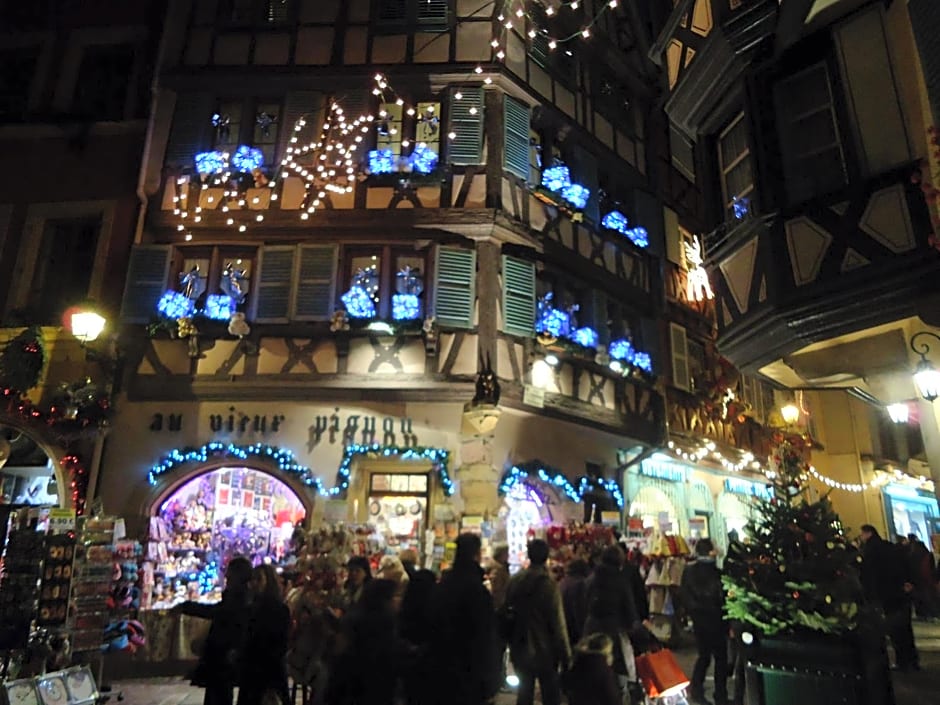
(526, 511)
(214, 516)
(657, 511)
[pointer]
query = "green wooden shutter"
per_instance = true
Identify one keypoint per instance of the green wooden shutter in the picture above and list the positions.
(516, 119)
(316, 271)
(147, 274)
(189, 134)
(298, 104)
(275, 282)
(432, 14)
(679, 346)
(455, 286)
(467, 145)
(518, 296)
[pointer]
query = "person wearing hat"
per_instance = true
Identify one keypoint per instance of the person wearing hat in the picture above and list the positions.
(358, 573)
(703, 597)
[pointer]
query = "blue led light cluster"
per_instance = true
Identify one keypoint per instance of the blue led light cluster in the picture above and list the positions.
(615, 220)
(284, 458)
(423, 159)
(585, 336)
(611, 487)
(213, 162)
(624, 351)
(175, 305)
(557, 179)
(381, 161)
(520, 474)
(741, 207)
(247, 158)
(437, 456)
(358, 303)
(553, 321)
(405, 307)
(219, 307)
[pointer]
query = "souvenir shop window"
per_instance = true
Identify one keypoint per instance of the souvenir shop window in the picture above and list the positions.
(216, 279)
(398, 507)
(211, 518)
(384, 284)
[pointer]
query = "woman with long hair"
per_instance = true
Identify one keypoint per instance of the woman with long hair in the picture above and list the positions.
(264, 666)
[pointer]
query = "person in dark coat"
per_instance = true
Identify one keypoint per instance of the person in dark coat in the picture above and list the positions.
(539, 642)
(371, 654)
(415, 621)
(591, 680)
(611, 609)
(887, 583)
(218, 664)
(923, 568)
(358, 574)
(264, 660)
(464, 652)
(574, 598)
(703, 596)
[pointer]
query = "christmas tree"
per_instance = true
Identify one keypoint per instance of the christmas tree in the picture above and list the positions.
(22, 360)
(797, 573)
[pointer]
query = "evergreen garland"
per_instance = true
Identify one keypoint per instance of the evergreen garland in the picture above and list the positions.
(22, 360)
(798, 573)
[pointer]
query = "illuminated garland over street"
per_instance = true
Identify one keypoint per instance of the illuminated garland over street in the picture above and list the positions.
(287, 462)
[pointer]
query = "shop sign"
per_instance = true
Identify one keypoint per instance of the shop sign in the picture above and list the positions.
(357, 428)
(663, 470)
(234, 422)
(533, 396)
(736, 485)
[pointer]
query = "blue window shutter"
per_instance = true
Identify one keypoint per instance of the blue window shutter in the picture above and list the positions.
(467, 126)
(189, 133)
(298, 104)
(518, 296)
(455, 286)
(147, 274)
(316, 273)
(516, 119)
(275, 282)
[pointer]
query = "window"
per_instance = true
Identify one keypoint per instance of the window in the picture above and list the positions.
(17, 67)
(465, 125)
(64, 266)
(516, 135)
(734, 161)
(250, 122)
(393, 15)
(678, 344)
(257, 13)
(101, 90)
(217, 279)
(813, 162)
(406, 137)
(384, 283)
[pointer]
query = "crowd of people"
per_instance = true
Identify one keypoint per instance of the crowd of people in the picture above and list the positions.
(403, 636)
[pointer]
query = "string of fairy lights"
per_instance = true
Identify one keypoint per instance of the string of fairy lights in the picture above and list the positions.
(331, 162)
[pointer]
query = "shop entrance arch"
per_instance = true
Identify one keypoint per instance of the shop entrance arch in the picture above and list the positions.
(32, 467)
(654, 507)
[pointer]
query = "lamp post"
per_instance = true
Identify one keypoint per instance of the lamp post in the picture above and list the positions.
(790, 414)
(926, 376)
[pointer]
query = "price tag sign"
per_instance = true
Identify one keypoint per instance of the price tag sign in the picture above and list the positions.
(61, 521)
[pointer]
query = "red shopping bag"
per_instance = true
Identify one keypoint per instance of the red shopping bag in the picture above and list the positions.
(661, 674)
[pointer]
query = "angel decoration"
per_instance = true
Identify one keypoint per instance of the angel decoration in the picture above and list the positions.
(234, 282)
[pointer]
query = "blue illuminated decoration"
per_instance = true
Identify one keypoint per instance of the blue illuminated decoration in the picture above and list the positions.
(247, 158)
(213, 162)
(358, 303)
(219, 307)
(535, 470)
(405, 307)
(623, 350)
(576, 194)
(381, 161)
(286, 462)
(615, 220)
(611, 487)
(586, 336)
(175, 305)
(437, 456)
(741, 207)
(423, 159)
(556, 178)
(208, 578)
(552, 320)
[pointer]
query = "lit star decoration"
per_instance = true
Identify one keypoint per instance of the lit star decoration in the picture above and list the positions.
(175, 305)
(219, 307)
(535, 470)
(617, 221)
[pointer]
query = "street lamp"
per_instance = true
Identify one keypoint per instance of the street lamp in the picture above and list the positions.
(926, 376)
(87, 325)
(898, 413)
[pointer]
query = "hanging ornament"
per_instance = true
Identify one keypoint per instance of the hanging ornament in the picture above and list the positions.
(191, 284)
(265, 121)
(222, 124)
(234, 282)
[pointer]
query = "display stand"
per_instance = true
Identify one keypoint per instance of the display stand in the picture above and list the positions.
(669, 554)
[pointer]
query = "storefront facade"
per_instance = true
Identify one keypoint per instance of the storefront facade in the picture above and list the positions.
(911, 510)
